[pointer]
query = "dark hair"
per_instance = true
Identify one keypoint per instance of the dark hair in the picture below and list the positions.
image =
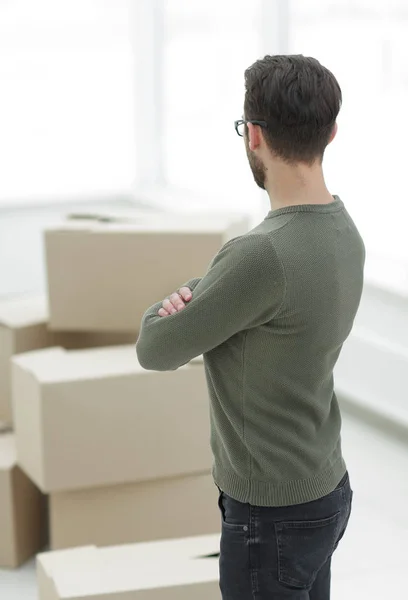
(299, 99)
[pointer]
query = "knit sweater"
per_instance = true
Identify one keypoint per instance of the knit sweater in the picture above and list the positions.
(270, 317)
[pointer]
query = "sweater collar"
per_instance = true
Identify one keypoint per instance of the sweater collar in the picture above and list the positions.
(334, 206)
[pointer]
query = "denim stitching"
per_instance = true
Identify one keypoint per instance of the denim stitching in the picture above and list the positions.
(279, 545)
(253, 547)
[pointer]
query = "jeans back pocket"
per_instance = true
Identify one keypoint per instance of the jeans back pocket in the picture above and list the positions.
(304, 547)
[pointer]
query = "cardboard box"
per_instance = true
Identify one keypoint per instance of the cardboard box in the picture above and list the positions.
(23, 327)
(49, 563)
(173, 570)
(22, 509)
(104, 274)
(136, 512)
(95, 417)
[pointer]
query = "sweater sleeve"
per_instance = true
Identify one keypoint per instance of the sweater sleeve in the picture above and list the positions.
(243, 288)
(192, 284)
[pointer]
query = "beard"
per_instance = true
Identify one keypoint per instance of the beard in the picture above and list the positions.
(257, 166)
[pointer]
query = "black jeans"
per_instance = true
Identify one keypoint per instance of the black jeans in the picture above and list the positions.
(281, 553)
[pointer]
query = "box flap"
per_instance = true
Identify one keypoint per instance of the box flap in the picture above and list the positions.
(52, 365)
(174, 549)
(161, 223)
(112, 216)
(22, 311)
(52, 561)
(84, 572)
(128, 577)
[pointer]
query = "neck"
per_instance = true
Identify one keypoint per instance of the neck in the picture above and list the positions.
(289, 185)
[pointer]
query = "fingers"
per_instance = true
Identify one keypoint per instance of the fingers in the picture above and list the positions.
(185, 293)
(168, 306)
(175, 303)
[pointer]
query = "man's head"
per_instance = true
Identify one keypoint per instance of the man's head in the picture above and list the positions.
(299, 100)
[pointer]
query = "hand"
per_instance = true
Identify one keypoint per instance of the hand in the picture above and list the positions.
(176, 302)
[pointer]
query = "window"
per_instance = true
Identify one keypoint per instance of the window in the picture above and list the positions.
(66, 102)
(365, 44)
(98, 95)
(208, 45)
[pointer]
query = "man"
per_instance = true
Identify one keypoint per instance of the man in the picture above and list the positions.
(270, 317)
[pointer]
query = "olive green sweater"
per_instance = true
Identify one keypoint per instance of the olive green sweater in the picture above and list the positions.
(270, 317)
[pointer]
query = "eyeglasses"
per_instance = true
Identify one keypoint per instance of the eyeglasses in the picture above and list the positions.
(240, 125)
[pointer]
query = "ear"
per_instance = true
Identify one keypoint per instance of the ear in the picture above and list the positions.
(254, 136)
(333, 133)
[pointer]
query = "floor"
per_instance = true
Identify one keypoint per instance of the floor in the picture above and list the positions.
(371, 561)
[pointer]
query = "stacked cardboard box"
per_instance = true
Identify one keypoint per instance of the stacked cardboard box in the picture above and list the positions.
(114, 444)
(122, 452)
(86, 418)
(22, 509)
(24, 327)
(147, 510)
(104, 273)
(175, 570)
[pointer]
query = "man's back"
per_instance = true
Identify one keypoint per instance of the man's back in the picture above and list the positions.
(275, 418)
